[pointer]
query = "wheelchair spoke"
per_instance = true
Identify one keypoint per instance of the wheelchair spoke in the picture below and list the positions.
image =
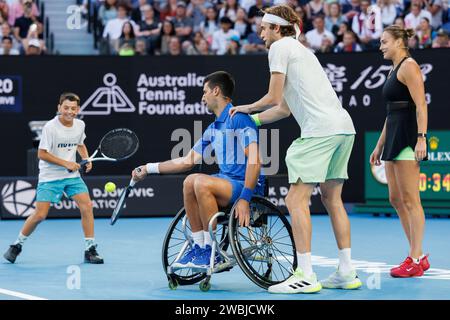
(281, 266)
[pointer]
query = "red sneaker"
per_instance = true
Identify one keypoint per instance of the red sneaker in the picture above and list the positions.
(407, 269)
(424, 263)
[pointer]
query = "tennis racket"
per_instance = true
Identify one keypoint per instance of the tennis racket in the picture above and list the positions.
(117, 145)
(121, 202)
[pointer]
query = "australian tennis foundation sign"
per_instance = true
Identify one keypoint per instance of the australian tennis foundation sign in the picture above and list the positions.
(10, 93)
(155, 196)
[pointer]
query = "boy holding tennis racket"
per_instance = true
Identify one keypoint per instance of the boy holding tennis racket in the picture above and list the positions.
(235, 143)
(62, 137)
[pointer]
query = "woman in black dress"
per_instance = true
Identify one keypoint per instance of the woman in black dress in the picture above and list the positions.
(403, 144)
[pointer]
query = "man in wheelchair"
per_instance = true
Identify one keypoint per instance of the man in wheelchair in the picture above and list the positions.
(235, 144)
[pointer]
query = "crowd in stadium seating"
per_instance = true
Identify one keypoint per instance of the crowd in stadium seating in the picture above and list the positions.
(22, 29)
(231, 27)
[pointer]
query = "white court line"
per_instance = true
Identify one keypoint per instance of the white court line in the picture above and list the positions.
(20, 295)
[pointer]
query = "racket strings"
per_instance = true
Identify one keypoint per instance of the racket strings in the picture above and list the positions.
(119, 144)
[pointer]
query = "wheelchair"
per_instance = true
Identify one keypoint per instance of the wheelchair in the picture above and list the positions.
(264, 251)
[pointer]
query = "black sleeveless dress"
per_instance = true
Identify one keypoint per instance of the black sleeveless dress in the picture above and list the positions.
(401, 121)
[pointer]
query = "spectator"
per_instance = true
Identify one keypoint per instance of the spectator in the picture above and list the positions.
(412, 19)
(34, 48)
(233, 46)
(241, 24)
(320, 39)
(306, 24)
(352, 10)
(210, 25)
(174, 47)
(150, 28)
(17, 10)
(137, 14)
(167, 32)
(435, 8)
(348, 44)
(126, 50)
(413, 43)
(256, 10)
(4, 11)
(127, 37)
(255, 45)
(22, 24)
(33, 35)
(196, 10)
(222, 37)
(113, 28)
(169, 10)
(183, 24)
(399, 21)
(334, 18)
(388, 11)
(199, 47)
(367, 26)
(441, 40)
(107, 12)
(7, 32)
(229, 10)
(315, 8)
(343, 28)
(425, 34)
(140, 48)
(7, 47)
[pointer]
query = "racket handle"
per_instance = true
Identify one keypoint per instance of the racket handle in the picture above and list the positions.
(133, 182)
(82, 164)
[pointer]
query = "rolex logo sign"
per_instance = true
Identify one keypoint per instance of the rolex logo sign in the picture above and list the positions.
(18, 198)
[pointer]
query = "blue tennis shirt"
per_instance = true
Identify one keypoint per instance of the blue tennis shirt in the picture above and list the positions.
(228, 137)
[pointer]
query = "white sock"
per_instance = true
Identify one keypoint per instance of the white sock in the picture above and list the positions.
(304, 263)
(89, 242)
(416, 261)
(21, 239)
(422, 256)
(345, 260)
(208, 240)
(199, 239)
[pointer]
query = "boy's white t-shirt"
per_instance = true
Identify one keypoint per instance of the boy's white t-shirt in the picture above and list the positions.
(307, 90)
(62, 142)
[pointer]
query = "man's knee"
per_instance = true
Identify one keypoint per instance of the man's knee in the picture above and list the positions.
(86, 206)
(202, 186)
(188, 184)
(295, 201)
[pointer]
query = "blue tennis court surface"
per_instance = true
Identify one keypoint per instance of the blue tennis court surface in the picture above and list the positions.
(50, 266)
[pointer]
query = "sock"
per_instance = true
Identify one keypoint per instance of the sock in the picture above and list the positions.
(208, 240)
(21, 239)
(304, 263)
(89, 242)
(345, 260)
(416, 261)
(198, 238)
(422, 256)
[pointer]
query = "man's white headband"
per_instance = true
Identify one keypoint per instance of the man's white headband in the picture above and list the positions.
(274, 19)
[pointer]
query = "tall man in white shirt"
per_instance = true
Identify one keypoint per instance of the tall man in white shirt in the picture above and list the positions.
(299, 85)
(62, 137)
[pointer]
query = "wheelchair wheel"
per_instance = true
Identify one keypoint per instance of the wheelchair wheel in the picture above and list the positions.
(173, 243)
(265, 250)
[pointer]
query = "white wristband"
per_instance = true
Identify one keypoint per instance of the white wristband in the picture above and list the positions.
(152, 167)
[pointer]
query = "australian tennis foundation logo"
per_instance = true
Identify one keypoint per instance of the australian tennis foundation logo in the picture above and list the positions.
(107, 98)
(18, 198)
(156, 95)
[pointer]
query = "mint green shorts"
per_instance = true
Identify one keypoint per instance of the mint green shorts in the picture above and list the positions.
(316, 160)
(406, 154)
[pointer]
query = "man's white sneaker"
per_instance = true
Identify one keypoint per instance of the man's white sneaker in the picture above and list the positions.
(339, 280)
(297, 283)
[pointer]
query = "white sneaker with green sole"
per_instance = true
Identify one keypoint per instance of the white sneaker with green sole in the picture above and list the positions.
(297, 283)
(338, 280)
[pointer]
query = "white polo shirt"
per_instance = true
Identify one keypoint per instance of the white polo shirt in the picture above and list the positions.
(62, 142)
(307, 90)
